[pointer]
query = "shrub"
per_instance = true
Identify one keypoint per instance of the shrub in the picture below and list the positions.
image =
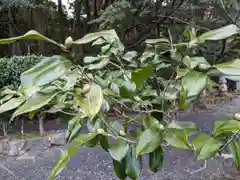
(11, 69)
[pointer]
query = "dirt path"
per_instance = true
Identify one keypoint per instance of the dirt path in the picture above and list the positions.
(95, 164)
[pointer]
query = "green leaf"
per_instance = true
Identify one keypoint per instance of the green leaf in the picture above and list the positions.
(117, 126)
(104, 143)
(230, 68)
(220, 33)
(177, 138)
(141, 75)
(149, 122)
(193, 62)
(69, 153)
(193, 83)
(234, 148)
(127, 89)
(189, 126)
(93, 142)
(188, 34)
(35, 102)
(108, 35)
(181, 72)
(145, 56)
(119, 169)
(74, 127)
(118, 150)
(129, 56)
(226, 126)
(91, 59)
(133, 164)
(94, 125)
(12, 104)
(205, 146)
(148, 142)
(157, 41)
(6, 98)
(32, 35)
(46, 71)
(98, 65)
(91, 105)
(155, 159)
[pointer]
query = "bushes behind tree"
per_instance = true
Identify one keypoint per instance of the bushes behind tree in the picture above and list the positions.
(12, 67)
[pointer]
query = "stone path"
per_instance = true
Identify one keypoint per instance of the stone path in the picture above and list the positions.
(95, 164)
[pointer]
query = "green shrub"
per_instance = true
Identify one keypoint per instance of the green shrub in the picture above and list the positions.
(11, 69)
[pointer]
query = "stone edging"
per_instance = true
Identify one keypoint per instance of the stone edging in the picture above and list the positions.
(17, 147)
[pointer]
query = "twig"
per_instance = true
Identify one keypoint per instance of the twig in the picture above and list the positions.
(202, 168)
(184, 22)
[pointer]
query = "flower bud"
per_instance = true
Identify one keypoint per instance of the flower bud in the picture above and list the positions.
(100, 131)
(86, 88)
(122, 133)
(68, 42)
(237, 116)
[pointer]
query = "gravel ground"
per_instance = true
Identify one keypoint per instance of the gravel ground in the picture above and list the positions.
(95, 164)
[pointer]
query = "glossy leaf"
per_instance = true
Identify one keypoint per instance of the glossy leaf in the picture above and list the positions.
(206, 146)
(149, 122)
(157, 41)
(155, 159)
(181, 72)
(119, 169)
(91, 59)
(127, 89)
(104, 143)
(141, 75)
(32, 35)
(230, 68)
(108, 35)
(220, 33)
(188, 34)
(177, 138)
(145, 56)
(98, 65)
(234, 148)
(91, 105)
(117, 126)
(189, 126)
(148, 142)
(133, 164)
(69, 153)
(6, 98)
(74, 127)
(46, 71)
(129, 56)
(35, 102)
(118, 150)
(94, 125)
(12, 104)
(226, 126)
(193, 83)
(193, 62)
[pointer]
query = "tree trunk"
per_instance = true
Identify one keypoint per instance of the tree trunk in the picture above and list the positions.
(15, 47)
(41, 125)
(22, 126)
(4, 127)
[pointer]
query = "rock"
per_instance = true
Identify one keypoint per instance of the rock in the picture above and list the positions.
(57, 139)
(223, 88)
(16, 147)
